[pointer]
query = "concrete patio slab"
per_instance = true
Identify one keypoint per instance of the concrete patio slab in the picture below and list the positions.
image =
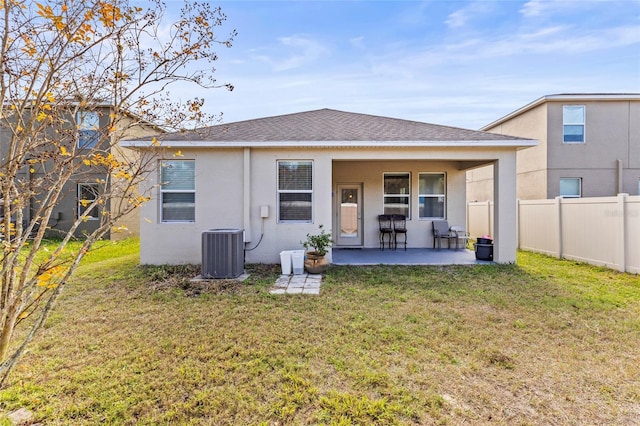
(416, 256)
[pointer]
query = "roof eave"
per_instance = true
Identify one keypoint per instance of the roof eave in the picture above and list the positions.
(508, 143)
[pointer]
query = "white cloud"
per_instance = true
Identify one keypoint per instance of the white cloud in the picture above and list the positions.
(470, 96)
(457, 19)
(534, 8)
(291, 52)
(546, 8)
(555, 40)
(357, 42)
(540, 8)
(461, 17)
(303, 50)
(545, 41)
(467, 76)
(544, 32)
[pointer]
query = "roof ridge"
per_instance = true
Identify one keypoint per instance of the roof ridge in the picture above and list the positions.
(328, 124)
(383, 117)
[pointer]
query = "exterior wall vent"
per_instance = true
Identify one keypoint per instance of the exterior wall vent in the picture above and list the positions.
(222, 253)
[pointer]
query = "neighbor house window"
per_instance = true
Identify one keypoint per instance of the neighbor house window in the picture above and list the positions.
(396, 193)
(431, 196)
(571, 187)
(88, 129)
(87, 194)
(573, 123)
(295, 191)
(178, 190)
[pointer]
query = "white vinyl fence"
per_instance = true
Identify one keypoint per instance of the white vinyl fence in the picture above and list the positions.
(603, 231)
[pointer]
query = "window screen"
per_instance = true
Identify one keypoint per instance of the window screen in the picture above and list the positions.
(397, 193)
(573, 123)
(88, 129)
(432, 195)
(295, 191)
(87, 194)
(177, 191)
(570, 187)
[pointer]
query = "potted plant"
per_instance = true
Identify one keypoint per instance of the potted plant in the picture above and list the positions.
(315, 262)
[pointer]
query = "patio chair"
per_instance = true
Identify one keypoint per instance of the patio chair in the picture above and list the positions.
(386, 228)
(462, 236)
(441, 231)
(399, 227)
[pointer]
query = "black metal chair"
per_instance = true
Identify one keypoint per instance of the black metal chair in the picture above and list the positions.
(399, 227)
(441, 231)
(386, 228)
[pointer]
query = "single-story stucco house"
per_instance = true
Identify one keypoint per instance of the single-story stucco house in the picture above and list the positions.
(279, 178)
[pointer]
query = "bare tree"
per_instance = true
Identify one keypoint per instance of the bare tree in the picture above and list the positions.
(74, 77)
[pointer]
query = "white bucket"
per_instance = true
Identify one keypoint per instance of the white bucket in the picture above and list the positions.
(297, 257)
(285, 261)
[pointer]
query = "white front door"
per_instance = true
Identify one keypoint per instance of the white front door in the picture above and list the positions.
(349, 215)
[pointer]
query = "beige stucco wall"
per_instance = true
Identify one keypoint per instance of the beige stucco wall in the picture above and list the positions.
(220, 197)
(480, 184)
(218, 205)
(612, 133)
(531, 162)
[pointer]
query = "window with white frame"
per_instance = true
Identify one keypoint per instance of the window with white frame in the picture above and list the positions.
(432, 195)
(295, 191)
(177, 191)
(88, 193)
(571, 187)
(88, 123)
(397, 193)
(573, 120)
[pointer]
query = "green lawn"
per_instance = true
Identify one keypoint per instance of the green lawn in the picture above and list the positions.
(543, 342)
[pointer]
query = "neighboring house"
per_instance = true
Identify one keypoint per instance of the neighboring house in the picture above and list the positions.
(589, 146)
(82, 187)
(279, 178)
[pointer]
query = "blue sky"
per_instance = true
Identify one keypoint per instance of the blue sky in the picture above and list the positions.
(458, 63)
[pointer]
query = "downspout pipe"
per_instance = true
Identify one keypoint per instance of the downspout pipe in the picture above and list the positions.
(246, 194)
(619, 176)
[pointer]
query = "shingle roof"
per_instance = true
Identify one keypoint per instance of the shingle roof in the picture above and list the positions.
(331, 125)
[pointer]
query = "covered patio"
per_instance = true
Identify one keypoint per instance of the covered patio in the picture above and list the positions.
(412, 256)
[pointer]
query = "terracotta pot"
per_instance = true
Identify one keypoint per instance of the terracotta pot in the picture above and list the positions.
(315, 263)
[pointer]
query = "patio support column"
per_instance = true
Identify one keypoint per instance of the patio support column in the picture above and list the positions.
(504, 218)
(323, 194)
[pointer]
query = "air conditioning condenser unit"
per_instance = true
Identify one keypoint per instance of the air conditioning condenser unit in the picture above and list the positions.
(222, 253)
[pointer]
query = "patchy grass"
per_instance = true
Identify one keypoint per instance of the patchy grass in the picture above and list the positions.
(544, 342)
